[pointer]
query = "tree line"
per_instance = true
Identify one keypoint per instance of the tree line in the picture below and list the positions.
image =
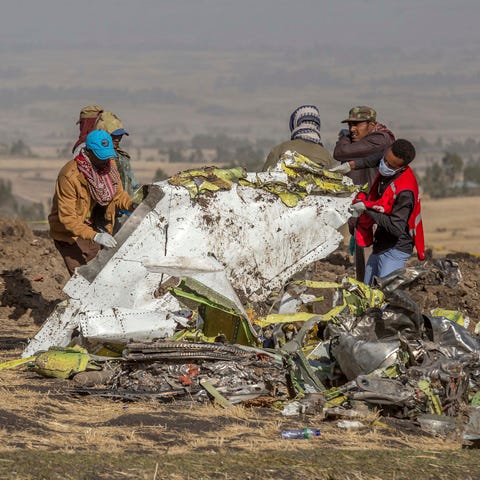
(451, 176)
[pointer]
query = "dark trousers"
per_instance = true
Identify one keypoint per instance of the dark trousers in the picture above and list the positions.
(76, 254)
(361, 256)
(359, 260)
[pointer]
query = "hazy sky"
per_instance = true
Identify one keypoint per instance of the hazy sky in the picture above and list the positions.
(413, 60)
(407, 24)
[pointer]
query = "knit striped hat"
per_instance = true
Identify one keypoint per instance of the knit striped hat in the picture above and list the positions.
(305, 124)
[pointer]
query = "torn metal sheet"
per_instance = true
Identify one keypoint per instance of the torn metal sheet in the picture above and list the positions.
(215, 322)
(112, 325)
(207, 179)
(251, 233)
(300, 177)
(58, 330)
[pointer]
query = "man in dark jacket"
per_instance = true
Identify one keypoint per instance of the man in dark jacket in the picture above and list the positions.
(359, 149)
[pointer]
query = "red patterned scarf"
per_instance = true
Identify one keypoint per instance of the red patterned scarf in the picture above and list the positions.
(102, 183)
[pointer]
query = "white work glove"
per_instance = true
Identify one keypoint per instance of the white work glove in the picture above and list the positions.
(357, 209)
(342, 168)
(105, 239)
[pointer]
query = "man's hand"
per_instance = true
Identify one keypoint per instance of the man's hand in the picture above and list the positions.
(357, 209)
(342, 168)
(105, 239)
(344, 132)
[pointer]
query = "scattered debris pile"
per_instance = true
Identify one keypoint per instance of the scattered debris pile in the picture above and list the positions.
(373, 347)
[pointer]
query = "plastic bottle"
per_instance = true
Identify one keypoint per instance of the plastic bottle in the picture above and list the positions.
(300, 433)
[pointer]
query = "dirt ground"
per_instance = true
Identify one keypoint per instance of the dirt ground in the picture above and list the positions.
(46, 432)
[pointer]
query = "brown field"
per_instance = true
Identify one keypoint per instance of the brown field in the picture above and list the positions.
(452, 224)
(242, 92)
(45, 431)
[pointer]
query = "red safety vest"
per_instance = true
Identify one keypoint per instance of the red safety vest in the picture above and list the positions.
(384, 204)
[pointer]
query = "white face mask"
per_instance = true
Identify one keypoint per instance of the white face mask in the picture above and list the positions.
(384, 170)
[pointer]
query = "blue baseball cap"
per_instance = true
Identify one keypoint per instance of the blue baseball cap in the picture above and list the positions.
(100, 143)
(119, 131)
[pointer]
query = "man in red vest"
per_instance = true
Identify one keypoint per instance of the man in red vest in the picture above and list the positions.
(389, 217)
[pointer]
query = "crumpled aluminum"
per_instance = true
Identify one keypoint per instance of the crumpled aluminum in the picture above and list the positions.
(382, 391)
(472, 429)
(399, 278)
(454, 338)
(437, 424)
(450, 272)
(356, 357)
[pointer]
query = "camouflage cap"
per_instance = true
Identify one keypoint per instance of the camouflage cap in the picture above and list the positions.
(90, 111)
(109, 122)
(361, 114)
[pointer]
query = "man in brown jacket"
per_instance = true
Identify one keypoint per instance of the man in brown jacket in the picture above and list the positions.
(360, 149)
(87, 192)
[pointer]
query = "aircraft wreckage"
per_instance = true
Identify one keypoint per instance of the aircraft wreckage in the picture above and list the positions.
(240, 236)
(200, 299)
